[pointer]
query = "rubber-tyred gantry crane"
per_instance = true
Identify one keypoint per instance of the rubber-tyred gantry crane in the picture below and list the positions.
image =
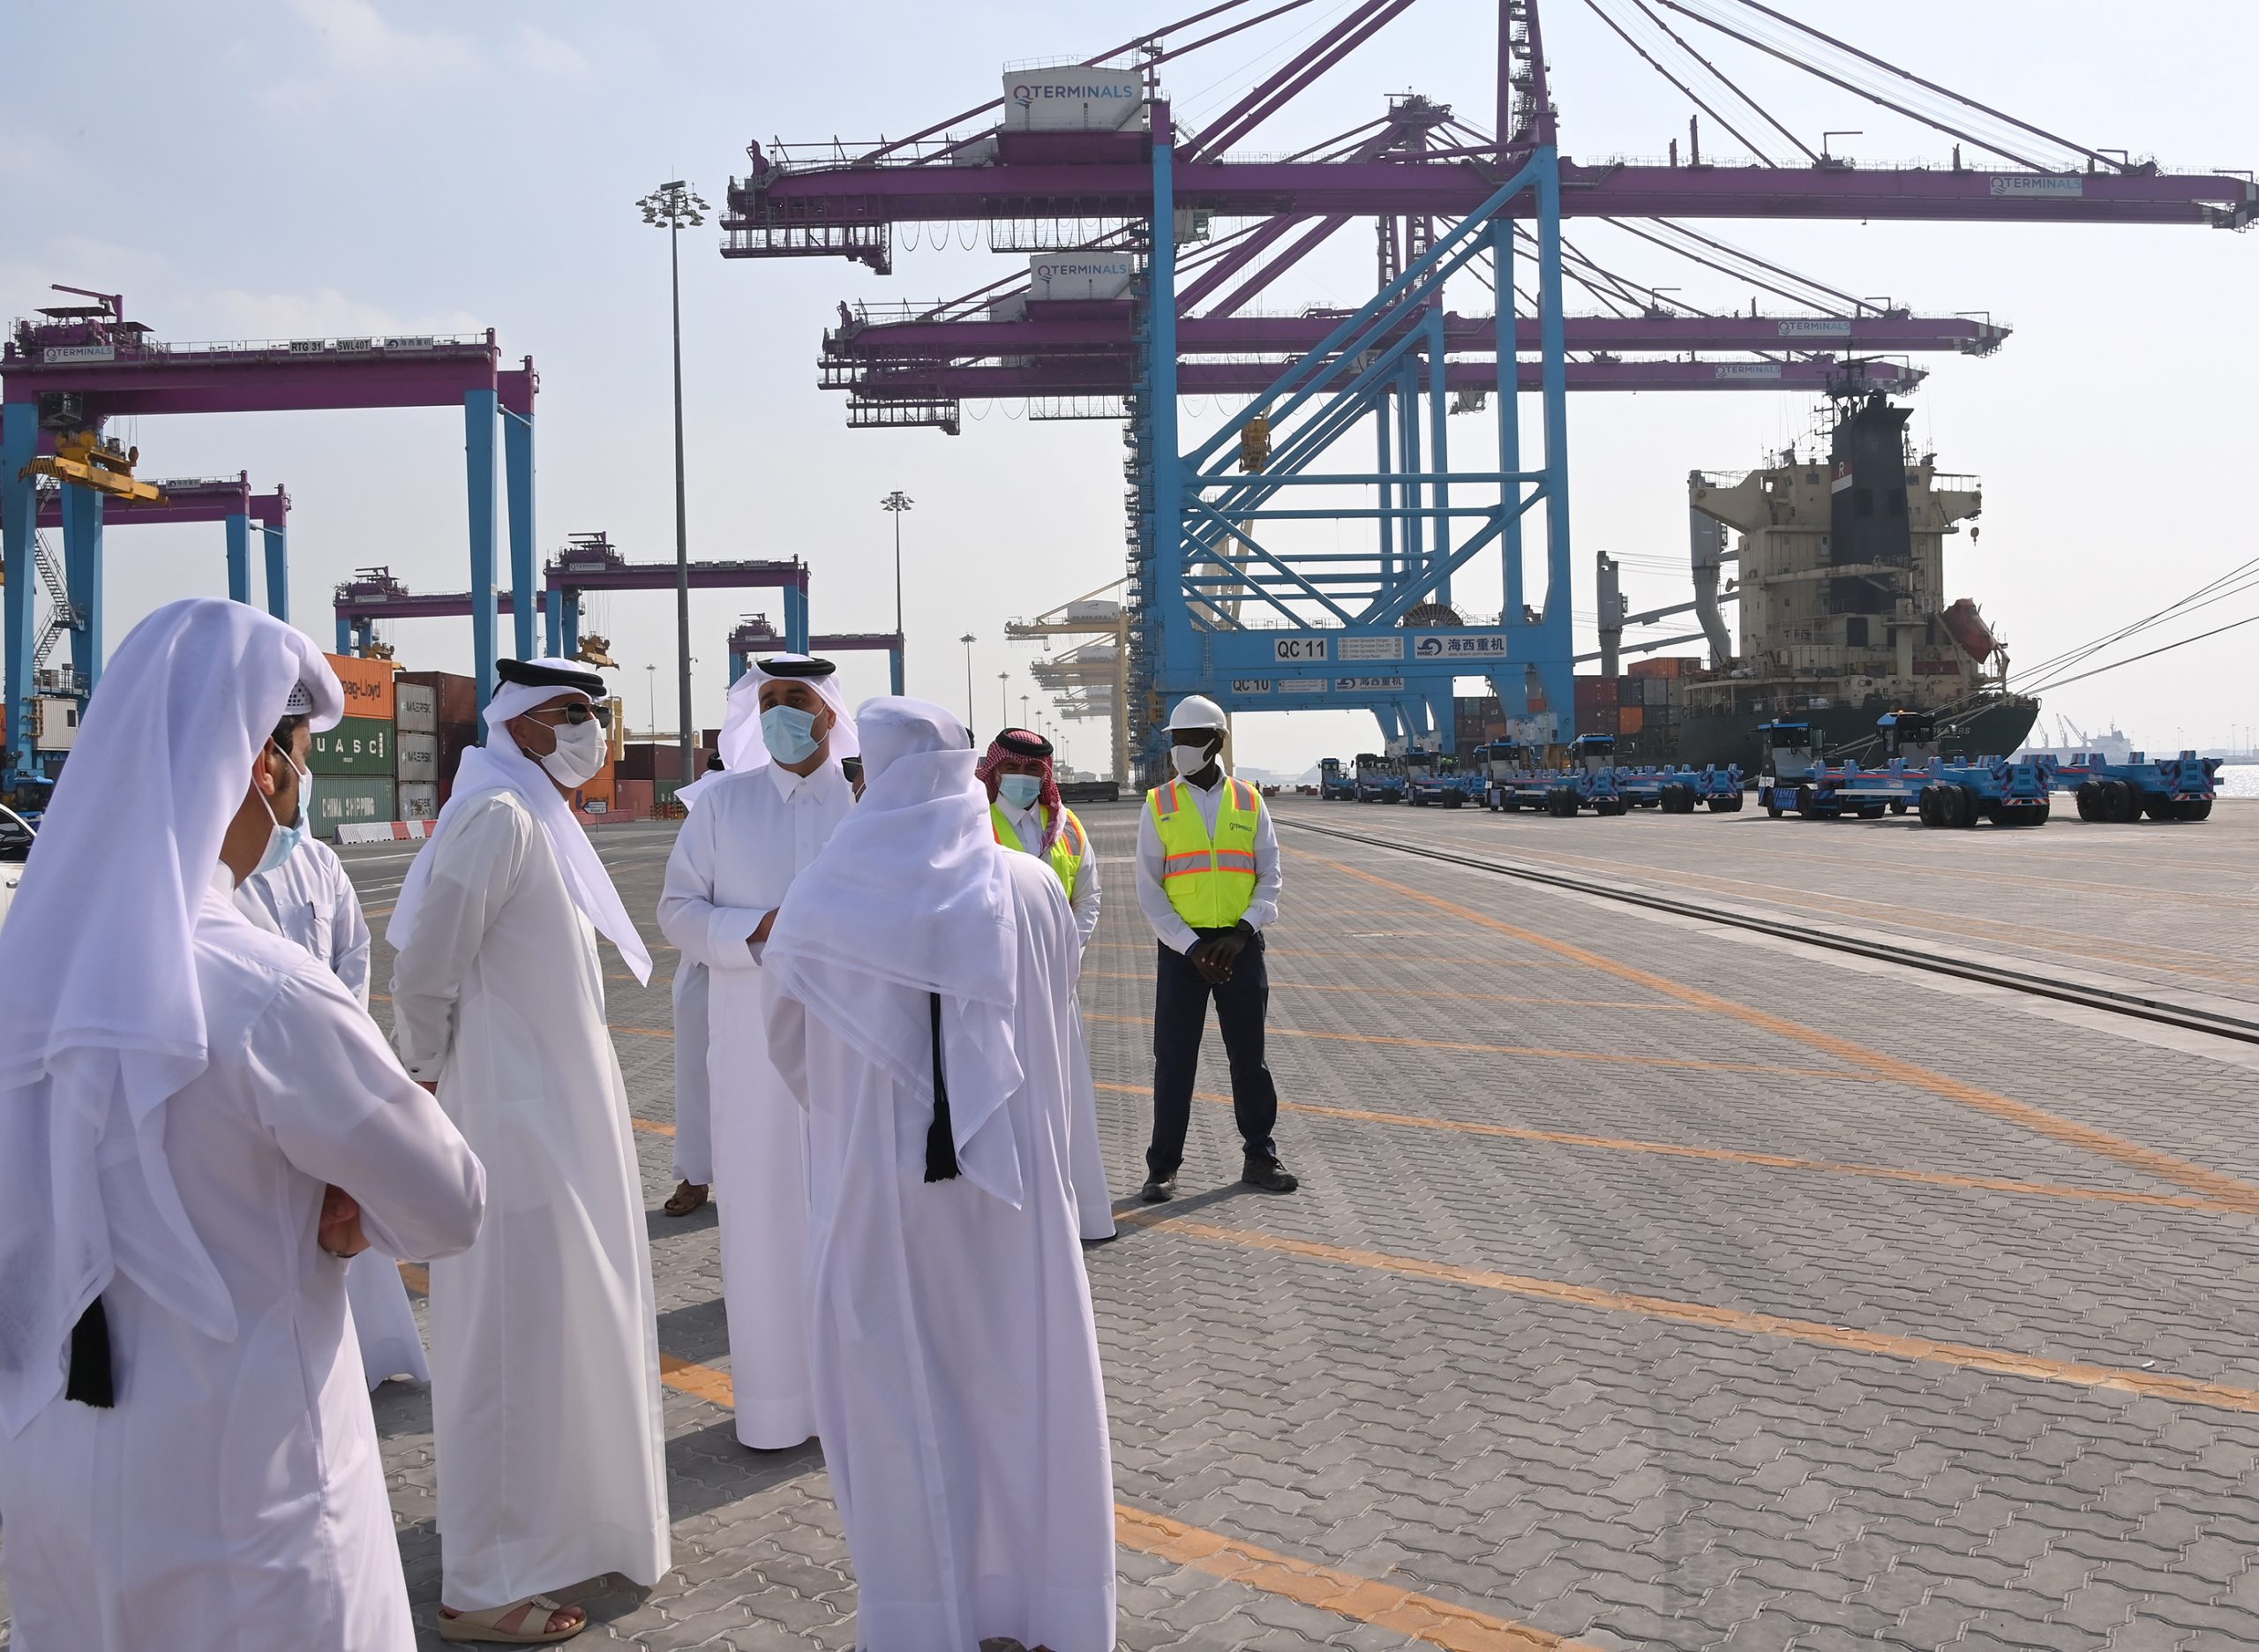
(1229, 595)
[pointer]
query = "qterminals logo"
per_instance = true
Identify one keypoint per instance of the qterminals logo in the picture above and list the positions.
(1022, 95)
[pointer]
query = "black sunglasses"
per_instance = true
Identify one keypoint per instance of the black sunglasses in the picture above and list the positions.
(576, 712)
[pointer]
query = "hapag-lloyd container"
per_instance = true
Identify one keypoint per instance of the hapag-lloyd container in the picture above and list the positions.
(368, 686)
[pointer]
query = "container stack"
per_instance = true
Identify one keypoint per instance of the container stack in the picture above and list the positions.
(440, 710)
(353, 763)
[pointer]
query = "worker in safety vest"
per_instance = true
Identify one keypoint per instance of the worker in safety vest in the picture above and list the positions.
(1027, 813)
(1208, 883)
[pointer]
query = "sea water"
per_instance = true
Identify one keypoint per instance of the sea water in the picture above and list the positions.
(2238, 780)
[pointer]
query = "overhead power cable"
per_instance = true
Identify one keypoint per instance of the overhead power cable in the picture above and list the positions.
(1994, 146)
(1686, 47)
(1692, 96)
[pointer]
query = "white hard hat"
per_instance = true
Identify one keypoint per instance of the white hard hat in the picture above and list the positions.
(1196, 711)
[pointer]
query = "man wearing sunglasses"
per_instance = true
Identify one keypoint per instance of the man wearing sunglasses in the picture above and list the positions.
(544, 1351)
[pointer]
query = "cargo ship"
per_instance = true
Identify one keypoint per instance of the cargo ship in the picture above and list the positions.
(1843, 616)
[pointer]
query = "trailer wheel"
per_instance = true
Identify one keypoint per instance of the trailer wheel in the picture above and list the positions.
(2089, 799)
(1733, 802)
(1950, 807)
(1898, 806)
(2194, 809)
(2125, 801)
(2159, 807)
(1972, 806)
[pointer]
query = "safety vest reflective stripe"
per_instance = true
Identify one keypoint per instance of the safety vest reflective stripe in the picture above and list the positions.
(1067, 849)
(1209, 879)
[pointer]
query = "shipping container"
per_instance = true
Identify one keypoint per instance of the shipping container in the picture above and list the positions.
(416, 708)
(1631, 691)
(352, 801)
(54, 723)
(632, 798)
(368, 686)
(1658, 692)
(358, 746)
(1597, 720)
(1631, 719)
(419, 799)
(458, 695)
(416, 758)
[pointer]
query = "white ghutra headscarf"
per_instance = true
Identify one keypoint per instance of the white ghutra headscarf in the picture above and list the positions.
(102, 1013)
(913, 891)
(740, 746)
(500, 766)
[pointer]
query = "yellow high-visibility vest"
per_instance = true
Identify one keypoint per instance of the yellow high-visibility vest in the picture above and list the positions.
(1210, 882)
(1067, 849)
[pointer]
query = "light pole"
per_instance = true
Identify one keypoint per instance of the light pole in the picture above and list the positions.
(652, 697)
(670, 207)
(1003, 695)
(967, 639)
(894, 504)
(1024, 722)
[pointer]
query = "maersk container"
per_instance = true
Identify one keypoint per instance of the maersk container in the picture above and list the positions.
(418, 800)
(418, 758)
(416, 708)
(352, 801)
(356, 746)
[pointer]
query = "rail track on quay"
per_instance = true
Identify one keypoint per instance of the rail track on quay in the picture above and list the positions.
(2134, 1005)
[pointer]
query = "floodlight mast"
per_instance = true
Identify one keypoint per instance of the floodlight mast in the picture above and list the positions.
(671, 206)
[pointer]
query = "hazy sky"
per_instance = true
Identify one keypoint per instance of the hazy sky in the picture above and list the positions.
(310, 167)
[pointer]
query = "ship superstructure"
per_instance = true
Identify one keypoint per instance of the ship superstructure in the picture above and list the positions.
(1844, 614)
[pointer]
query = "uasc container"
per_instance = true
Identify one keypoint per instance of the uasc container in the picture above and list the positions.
(357, 746)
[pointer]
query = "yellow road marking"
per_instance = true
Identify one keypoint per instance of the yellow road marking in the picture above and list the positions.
(1384, 1606)
(1418, 992)
(1417, 1617)
(2216, 1184)
(1716, 1155)
(1926, 1350)
(652, 1125)
(1607, 1057)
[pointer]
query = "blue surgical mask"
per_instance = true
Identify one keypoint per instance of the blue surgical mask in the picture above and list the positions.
(790, 734)
(1019, 790)
(282, 841)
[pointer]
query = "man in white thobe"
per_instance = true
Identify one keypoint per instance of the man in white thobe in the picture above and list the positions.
(920, 982)
(187, 1458)
(1028, 814)
(309, 899)
(544, 1341)
(749, 834)
(693, 1111)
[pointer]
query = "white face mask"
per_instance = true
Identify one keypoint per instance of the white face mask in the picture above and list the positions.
(579, 754)
(1190, 760)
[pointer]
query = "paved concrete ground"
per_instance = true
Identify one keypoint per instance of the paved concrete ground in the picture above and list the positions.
(1650, 1285)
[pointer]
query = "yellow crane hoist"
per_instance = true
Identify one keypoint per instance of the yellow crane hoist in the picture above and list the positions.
(597, 651)
(84, 459)
(1255, 443)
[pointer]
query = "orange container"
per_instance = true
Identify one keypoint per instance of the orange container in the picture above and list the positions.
(367, 684)
(1631, 719)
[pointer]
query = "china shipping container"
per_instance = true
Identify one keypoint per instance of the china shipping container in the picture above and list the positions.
(352, 799)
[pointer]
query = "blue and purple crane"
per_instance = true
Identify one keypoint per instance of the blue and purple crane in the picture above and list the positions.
(1090, 156)
(73, 367)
